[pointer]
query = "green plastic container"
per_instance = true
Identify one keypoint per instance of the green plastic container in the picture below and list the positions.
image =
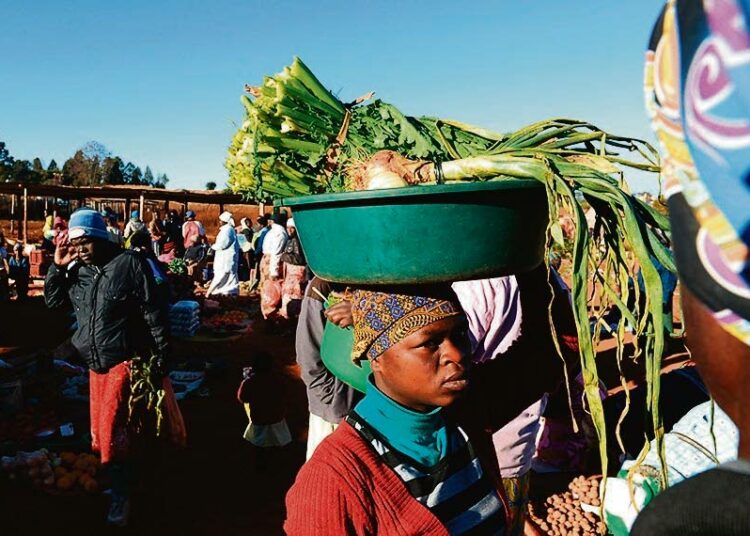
(336, 353)
(423, 234)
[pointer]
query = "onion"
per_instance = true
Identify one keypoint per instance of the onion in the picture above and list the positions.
(380, 180)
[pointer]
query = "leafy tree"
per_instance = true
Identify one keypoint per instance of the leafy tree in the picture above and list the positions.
(127, 172)
(4, 153)
(94, 150)
(79, 170)
(148, 176)
(6, 163)
(85, 168)
(22, 171)
(161, 181)
(136, 176)
(111, 171)
(210, 185)
(53, 174)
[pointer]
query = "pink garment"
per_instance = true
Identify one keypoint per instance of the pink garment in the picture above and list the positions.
(167, 257)
(190, 230)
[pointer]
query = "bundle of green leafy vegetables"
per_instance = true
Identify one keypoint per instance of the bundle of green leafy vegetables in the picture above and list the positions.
(299, 139)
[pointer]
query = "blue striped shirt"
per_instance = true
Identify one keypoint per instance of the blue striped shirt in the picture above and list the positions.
(455, 489)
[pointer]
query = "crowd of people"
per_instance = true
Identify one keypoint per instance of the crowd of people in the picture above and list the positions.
(237, 253)
(116, 283)
(442, 438)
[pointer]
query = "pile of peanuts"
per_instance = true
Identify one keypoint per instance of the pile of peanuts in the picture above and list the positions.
(562, 515)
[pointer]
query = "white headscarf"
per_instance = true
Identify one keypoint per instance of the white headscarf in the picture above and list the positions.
(226, 217)
(290, 223)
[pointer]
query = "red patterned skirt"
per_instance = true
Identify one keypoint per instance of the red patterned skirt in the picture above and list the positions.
(109, 395)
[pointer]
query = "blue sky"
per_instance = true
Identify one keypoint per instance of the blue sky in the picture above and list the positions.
(158, 82)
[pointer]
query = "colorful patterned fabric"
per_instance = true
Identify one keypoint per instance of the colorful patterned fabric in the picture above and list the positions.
(382, 319)
(517, 492)
(697, 85)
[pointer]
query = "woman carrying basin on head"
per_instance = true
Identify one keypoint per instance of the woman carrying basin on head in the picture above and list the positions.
(415, 455)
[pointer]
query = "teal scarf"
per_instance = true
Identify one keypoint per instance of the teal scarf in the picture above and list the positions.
(423, 437)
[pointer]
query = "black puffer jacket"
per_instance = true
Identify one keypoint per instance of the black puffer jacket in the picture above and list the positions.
(119, 312)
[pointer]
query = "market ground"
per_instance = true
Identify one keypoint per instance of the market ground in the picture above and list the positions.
(214, 486)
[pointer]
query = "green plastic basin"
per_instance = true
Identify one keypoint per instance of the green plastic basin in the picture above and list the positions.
(336, 353)
(423, 234)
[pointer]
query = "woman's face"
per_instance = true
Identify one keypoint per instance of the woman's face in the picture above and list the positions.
(428, 368)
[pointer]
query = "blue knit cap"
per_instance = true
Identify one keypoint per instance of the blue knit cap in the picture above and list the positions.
(87, 222)
(135, 215)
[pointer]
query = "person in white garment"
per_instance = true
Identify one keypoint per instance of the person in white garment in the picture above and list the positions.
(226, 259)
(271, 267)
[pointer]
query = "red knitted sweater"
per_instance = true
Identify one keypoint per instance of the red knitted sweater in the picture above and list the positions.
(346, 488)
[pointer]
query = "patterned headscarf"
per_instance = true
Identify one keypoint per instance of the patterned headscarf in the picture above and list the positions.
(382, 319)
(697, 83)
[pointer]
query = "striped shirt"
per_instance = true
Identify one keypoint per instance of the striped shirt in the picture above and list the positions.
(455, 489)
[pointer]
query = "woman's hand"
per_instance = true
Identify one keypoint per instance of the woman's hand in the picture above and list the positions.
(340, 314)
(65, 253)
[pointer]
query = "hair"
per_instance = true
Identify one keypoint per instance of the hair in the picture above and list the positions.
(140, 239)
(261, 362)
(280, 218)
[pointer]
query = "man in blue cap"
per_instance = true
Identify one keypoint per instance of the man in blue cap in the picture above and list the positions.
(135, 225)
(120, 317)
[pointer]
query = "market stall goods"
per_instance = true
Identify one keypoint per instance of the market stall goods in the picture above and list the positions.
(298, 139)
(177, 266)
(571, 513)
(233, 318)
(67, 472)
(146, 403)
(184, 318)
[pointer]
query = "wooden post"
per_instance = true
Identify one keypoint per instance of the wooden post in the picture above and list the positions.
(221, 208)
(126, 211)
(140, 207)
(12, 211)
(19, 217)
(25, 215)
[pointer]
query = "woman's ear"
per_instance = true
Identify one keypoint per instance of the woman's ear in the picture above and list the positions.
(375, 366)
